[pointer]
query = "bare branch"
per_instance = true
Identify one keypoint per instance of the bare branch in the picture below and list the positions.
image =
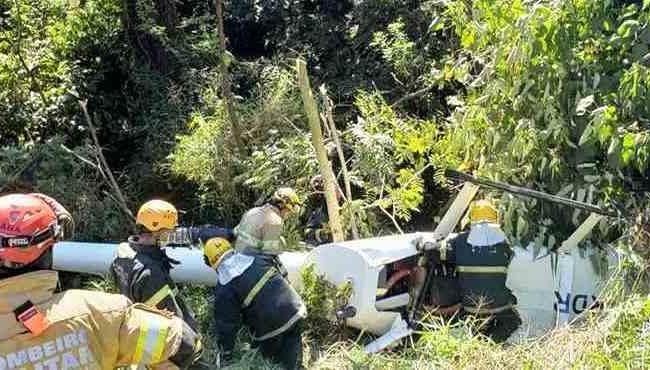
(317, 142)
(413, 95)
(81, 158)
(106, 169)
(329, 121)
(325, 123)
(392, 218)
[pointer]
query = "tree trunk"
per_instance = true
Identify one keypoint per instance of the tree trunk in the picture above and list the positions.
(321, 153)
(225, 84)
(146, 45)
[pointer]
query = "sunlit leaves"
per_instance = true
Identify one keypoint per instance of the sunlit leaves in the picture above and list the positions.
(389, 153)
(396, 47)
(554, 91)
(43, 46)
(407, 195)
(200, 155)
(628, 28)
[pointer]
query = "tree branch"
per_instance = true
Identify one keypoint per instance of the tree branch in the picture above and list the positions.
(81, 158)
(225, 81)
(392, 218)
(107, 170)
(413, 95)
(329, 121)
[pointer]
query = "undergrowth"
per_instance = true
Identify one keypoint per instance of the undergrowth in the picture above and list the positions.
(617, 337)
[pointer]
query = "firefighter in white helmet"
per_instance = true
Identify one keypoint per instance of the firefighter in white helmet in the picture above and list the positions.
(76, 328)
(252, 287)
(260, 229)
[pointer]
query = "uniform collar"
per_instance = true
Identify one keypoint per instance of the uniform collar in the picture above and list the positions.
(273, 208)
(145, 246)
(485, 234)
(142, 240)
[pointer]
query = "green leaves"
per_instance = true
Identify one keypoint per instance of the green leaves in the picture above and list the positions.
(390, 153)
(407, 195)
(322, 299)
(395, 47)
(629, 148)
(549, 78)
(628, 28)
(280, 152)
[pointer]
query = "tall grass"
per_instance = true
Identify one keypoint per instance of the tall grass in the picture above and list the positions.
(617, 337)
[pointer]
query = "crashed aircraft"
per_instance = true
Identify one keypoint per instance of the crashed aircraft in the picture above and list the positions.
(552, 288)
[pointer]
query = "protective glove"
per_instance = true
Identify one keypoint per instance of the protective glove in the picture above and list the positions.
(65, 225)
(423, 243)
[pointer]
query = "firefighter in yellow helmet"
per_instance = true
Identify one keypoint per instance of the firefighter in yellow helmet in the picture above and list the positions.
(142, 269)
(252, 287)
(76, 328)
(481, 257)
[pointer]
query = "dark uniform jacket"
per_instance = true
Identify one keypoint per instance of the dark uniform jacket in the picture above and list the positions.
(145, 276)
(261, 298)
(481, 272)
(316, 221)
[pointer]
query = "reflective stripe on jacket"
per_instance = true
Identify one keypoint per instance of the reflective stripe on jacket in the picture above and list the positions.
(87, 329)
(260, 298)
(144, 277)
(259, 230)
(481, 272)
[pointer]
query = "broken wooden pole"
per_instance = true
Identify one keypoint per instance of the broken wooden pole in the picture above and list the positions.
(321, 154)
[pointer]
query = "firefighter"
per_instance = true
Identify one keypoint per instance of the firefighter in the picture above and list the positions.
(315, 217)
(142, 269)
(481, 257)
(37, 257)
(260, 229)
(76, 328)
(250, 290)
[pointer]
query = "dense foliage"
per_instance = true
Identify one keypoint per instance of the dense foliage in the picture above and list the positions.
(554, 100)
(551, 95)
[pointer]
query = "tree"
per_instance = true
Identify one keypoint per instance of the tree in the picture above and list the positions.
(321, 154)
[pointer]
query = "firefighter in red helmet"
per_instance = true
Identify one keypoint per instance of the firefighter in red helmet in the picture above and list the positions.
(76, 328)
(28, 229)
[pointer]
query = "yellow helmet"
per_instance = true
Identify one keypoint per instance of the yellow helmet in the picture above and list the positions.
(483, 211)
(286, 198)
(214, 250)
(156, 215)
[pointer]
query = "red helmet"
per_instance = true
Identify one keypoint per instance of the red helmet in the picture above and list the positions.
(27, 228)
